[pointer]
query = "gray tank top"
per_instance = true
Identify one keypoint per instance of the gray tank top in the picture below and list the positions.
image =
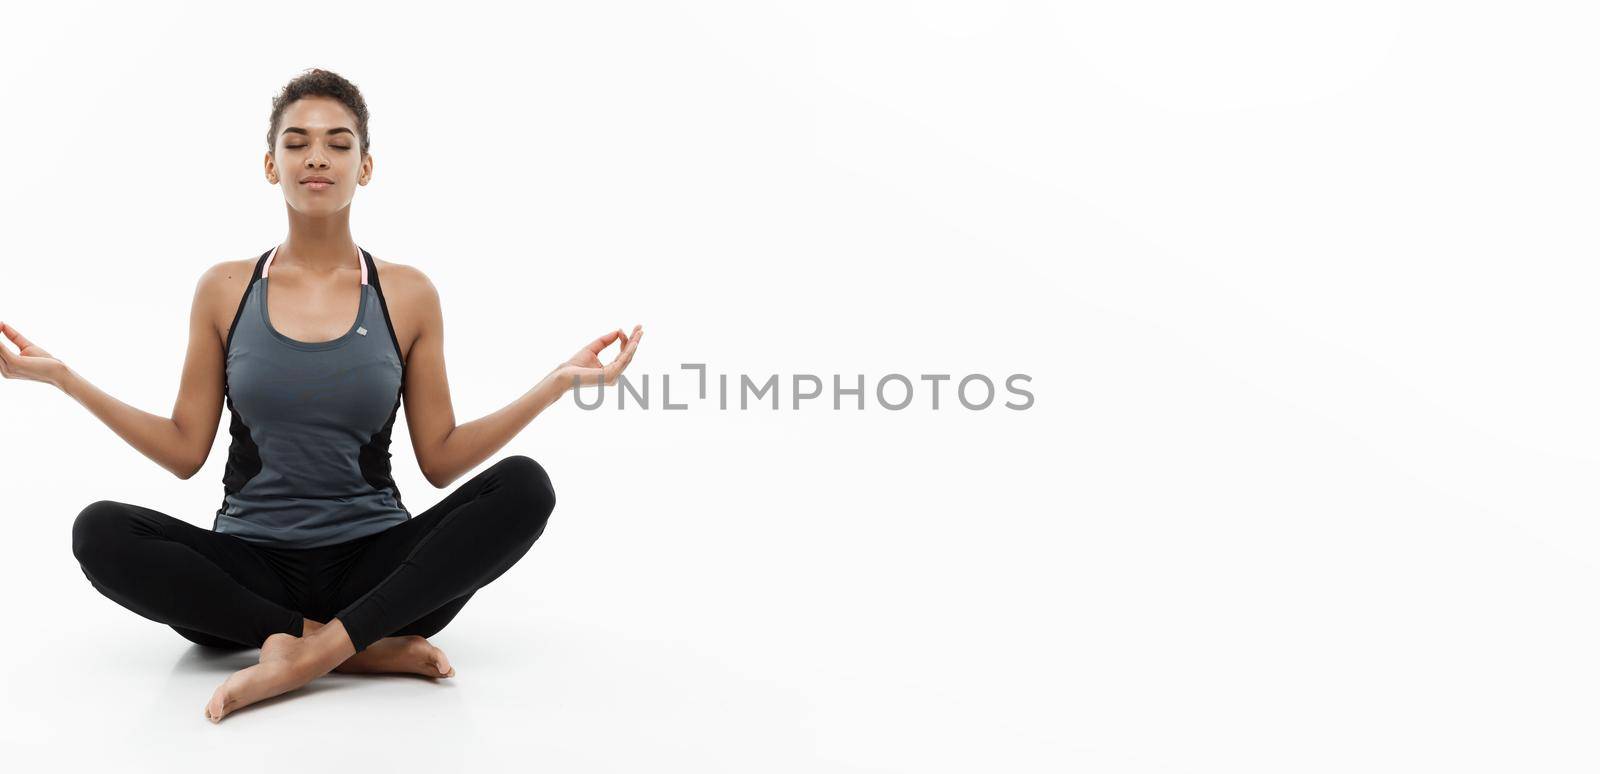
(309, 462)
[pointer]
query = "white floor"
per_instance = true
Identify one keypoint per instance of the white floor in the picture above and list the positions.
(566, 694)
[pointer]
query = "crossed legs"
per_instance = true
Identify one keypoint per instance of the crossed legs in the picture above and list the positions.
(406, 584)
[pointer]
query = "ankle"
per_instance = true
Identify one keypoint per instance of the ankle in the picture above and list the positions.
(330, 641)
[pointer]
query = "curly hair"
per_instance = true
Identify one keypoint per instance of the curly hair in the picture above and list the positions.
(320, 83)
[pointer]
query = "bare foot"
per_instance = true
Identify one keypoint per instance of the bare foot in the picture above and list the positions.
(408, 654)
(275, 674)
(287, 662)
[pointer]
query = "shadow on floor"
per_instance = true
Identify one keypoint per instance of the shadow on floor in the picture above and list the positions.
(203, 659)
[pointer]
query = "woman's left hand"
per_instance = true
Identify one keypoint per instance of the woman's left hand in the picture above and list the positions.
(586, 365)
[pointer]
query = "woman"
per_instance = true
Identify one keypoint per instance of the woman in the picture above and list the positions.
(312, 557)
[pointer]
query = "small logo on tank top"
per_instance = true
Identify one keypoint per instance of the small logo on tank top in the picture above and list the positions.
(362, 331)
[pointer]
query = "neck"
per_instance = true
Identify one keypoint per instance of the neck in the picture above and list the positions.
(318, 244)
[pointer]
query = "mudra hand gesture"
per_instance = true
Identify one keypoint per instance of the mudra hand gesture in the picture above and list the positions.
(586, 368)
(30, 362)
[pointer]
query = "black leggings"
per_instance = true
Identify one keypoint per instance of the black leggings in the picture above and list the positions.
(224, 591)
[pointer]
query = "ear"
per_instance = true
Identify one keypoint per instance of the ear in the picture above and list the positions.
(271, 169)
(366, 169)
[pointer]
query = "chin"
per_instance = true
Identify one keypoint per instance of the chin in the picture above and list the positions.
(318, 208)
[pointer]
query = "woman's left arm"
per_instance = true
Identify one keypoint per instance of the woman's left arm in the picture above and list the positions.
(446, 450)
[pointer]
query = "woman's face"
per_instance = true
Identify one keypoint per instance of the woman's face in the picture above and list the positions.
(317, 157)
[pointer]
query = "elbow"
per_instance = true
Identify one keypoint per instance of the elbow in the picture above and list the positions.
(433, 479)
(187, 471)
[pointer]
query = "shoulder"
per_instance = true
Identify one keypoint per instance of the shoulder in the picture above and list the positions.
(408, 287)
(225, 280)
(220, 290)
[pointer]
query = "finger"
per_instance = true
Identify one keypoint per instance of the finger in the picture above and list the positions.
(604, 341)
(628, 339)
(621, 358)
(620, 364)
(624, 340)
(633, 344)
(16, 336)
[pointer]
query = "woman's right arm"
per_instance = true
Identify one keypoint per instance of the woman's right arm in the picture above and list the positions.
(180, 443)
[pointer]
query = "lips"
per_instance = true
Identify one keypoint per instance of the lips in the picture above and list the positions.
(316, 183)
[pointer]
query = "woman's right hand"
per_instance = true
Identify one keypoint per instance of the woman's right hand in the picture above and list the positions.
(30, 362)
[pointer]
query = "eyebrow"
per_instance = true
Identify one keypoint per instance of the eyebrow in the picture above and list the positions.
(298, 130)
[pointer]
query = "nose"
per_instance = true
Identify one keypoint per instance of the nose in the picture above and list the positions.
(317, 160)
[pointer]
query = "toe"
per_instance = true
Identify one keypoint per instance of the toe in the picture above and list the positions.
(214, 709)
(442, 663)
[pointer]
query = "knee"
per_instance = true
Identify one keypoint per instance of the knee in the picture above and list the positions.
(97, 528)
(537, 496)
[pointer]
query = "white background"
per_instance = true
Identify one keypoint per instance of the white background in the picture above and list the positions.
(1304, 289)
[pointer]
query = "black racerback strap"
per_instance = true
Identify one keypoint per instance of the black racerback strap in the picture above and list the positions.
(372, 279)
(243, 297)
